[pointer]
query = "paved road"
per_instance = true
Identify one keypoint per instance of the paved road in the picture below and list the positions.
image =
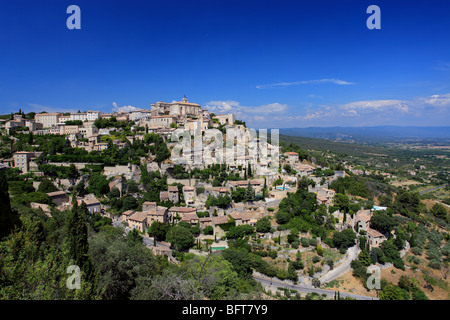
(432, 189)
(343, 267)
(303, 289)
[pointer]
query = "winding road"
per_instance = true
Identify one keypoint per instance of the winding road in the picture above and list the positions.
(303, 289)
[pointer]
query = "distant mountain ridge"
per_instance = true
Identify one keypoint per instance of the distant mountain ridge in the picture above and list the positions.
(370, 133)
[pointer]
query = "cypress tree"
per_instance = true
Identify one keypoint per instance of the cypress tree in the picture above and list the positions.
(76, 240)
(9, 218)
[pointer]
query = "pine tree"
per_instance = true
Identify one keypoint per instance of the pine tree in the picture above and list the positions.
(249, 170)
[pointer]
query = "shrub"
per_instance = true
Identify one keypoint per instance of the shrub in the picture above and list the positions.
(319, 250)
(419, 295)
(304, 242)
(435, 264)
(417, 251)
(208, 230)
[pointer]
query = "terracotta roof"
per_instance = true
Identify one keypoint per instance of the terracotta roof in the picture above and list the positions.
(240, 216)
(292, 153)
(245, 182)
(186, 188)
(182, 209)
(139, 216)
(56, 193)
(164, 194)
(220, 220)
(374, 233)
(91, 201)
(363, 215)
(128, 213)
(160, 211)
(173, 189)
(189, 217)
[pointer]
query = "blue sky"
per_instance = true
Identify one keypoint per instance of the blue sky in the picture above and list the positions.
(273, 63)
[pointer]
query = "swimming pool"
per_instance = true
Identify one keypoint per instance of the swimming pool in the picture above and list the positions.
(282, 188)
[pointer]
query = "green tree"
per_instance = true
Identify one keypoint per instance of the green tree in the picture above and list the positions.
(344, 239)
(76, 242)
(9, 218)
(342, 202)
(46, 186)
(158, 230)
(391, 292)
(134, 237)
(240, 260)
(263, 225)
(72, 172)
(250, 194)
(214, 274)
(382, 222)
(180, 238)
(238, 195)
(439, 211)
(30, 138)
(121, 264)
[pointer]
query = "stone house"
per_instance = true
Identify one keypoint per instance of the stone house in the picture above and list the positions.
(59, 197)
(138, 221)
(375, 238)
(126, 215)
(157, 213)
(189, 194)
(241, 218)
(173, 194)
(92, 204)
(292, 157)
(148, 206)
(217, 222)
(362, 220)
(180, 212)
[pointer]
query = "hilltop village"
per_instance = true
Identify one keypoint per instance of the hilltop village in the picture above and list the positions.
(299, 219)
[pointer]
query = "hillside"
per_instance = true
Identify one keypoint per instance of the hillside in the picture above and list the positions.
(370, 134)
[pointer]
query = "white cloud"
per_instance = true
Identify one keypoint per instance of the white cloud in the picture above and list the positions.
(246, 112)
(433, 109)
(116, 108)
(377, 105)
(319, 81)
(436, 100)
